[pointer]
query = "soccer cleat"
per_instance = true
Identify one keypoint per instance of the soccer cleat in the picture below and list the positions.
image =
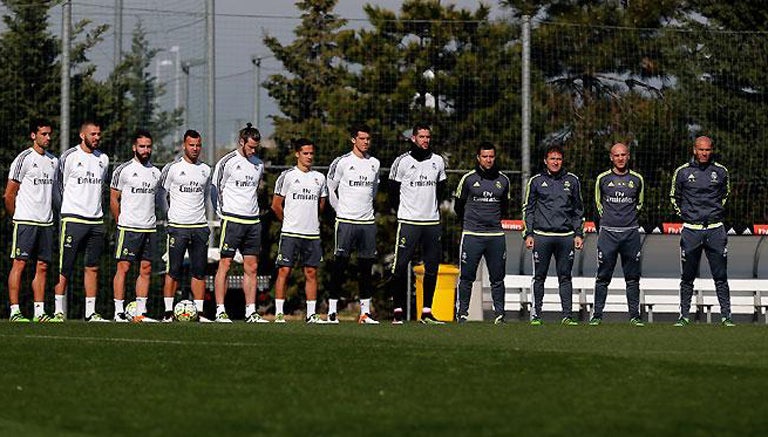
(462, 318)
(255, 318)
(203, 319)
(429, 319)
(120, 318)
(366, 319)
(682, 321)
(279, 318)
(568, 321)
(596, 321)
(314, 319)
(397, 318)
(44, 318)
(536, 321)
(223, 318)
(499, 320)
(18, 318)
(168, 317)
(332, 319)
(58, 318)
(636, 321)
(726, 321)
(96, 318)
(144, 319)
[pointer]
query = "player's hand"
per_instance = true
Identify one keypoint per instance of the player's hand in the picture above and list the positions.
(529, 242)
(578, 242)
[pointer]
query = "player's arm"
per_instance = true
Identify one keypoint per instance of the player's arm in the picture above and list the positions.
(675, 193)
(114, 203)
(578, 209)
(460, 199)
(11, 191)
(321, 205)
(529, 207)
(278, 202)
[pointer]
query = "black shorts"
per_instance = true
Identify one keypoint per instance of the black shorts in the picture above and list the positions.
(239, 236)
(32, 242)
(360, 237)
(77, 235)
(135, 245)
(292, 249)
(181, 239)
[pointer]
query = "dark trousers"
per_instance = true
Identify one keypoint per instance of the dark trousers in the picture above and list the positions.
(714, 243)
(545, 246)
(473, 248)
(409, 237)
(611, 244)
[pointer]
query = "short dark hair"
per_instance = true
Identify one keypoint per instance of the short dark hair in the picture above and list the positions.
(301, 142)
(359, 128)
(191, 134)
(249, 133)
(485, 145)
(89, 122)
(141, 133)
(37, 123)
(420, 126)
(554, 148)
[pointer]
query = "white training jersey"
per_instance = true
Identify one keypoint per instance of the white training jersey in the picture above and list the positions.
(35, 173)
(302, 192)
(237, 179)
(352, 185)
(138, 185)
(418, 187)
(80, 179)
(187, 185)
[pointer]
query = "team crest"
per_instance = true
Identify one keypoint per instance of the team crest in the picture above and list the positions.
(498, 184)
(631, 184)
(713, 176)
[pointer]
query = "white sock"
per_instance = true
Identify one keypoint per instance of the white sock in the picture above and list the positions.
(15, 309)
(279, 306)
(365, 306)
(332, 304)
(141, 305)
(426, 310)
(168, 303)
(250, 309)
(220, 309)
(119, 306)
(58, 304)
(39, 309)
(199, 305)
(311, 307)
(90, 306)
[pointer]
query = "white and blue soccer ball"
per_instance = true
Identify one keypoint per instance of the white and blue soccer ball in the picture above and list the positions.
(185, 311)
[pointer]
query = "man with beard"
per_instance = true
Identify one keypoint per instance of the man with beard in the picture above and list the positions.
(482, 198)
(132, 202)
(79, 178)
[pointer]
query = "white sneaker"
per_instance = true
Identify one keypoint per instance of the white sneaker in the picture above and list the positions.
(120, 318)
(96, 318)
(203, 319)
(314, 319)
(255, 318)
(279, 318)
(332, 319)
(366, 319)
(223, 318)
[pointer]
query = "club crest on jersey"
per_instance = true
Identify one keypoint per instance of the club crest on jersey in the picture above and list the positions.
(434, 166)
(498, 184)
(101, 164)
(713, 176)
(567, 186)
(631, 184)
(317, 181)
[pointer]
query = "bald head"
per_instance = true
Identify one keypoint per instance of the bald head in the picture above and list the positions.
(620, 157)
(702, 150)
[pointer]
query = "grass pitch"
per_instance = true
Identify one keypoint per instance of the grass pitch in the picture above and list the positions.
(474, 379)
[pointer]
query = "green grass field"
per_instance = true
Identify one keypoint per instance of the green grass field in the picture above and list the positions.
(474, 379)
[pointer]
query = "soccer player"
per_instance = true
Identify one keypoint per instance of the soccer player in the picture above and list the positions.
(619, 198)
(299, 198)
(699, 191)
(234, 192)
(417, 182)
(482, 198)
(185, 183)
(353, 180)
(80, 178)
(132, 202)
(553, 216)
(28, 195)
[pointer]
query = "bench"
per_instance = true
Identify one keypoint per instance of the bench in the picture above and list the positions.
(660, 295)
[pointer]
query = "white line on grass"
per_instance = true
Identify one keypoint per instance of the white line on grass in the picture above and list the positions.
(130, 340)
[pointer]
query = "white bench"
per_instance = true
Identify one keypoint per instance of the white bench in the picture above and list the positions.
(660, 295)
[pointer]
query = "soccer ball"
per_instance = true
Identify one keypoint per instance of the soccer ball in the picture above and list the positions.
(185, 311)
(130, 310)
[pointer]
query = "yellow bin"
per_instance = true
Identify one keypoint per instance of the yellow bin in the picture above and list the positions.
(444, 303)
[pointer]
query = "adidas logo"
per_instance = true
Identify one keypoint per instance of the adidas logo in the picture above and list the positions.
(476, 184)
(296, 181)
(135, 175)
(413, 167)
(544, 184)
(182, 173)
(238, 167)
(79, 164)
(611, 184)
(351, 167)
(34, 165)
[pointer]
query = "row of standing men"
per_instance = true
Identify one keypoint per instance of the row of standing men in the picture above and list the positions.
(39, 183)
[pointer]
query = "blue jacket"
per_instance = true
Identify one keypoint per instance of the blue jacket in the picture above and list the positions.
(699, 192)
(553, 205)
